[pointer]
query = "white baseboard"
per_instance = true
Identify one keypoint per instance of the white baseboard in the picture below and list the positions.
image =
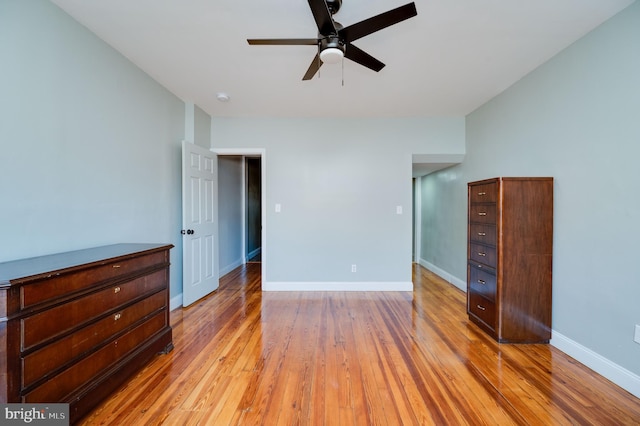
(224, 271)
(175, 302)
(337, 286)
(254, 253)
(461, 284)
(620, 376)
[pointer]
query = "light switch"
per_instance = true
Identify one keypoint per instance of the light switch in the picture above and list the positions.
(278, 208)
(398, 209)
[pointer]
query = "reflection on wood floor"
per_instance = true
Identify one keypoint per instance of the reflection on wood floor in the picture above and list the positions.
(243, 357)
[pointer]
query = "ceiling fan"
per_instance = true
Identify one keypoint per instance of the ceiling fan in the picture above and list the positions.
(334, 40)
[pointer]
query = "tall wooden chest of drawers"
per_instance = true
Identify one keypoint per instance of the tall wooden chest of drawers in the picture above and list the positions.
(509, 258)
(74, 326)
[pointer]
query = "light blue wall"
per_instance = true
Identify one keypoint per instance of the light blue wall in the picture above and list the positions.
(90, 145)
(202, 124)
(576, 118)
(230, 213)
(339, 183)
(442, 235)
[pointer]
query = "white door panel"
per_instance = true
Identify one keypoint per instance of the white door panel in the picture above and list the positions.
(199, 208)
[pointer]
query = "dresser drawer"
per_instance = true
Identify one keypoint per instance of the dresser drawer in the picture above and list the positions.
(483, 254)
(483, 233)
(484, 193)
(64, 284)
(483, 309)
(40, 363)
(56, 321)
(482, 282)
(482, 213)
(60, 387)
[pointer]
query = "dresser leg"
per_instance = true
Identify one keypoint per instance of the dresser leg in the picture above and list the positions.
(167, 349)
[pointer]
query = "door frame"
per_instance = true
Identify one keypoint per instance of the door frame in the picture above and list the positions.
(254, 152)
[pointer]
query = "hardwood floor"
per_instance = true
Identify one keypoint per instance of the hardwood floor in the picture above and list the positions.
(243, 357)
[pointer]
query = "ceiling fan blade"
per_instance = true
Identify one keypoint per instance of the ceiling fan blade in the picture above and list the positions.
(363, 58)
(283, 41)
(378, 22)
(313, 68)
(322, 16)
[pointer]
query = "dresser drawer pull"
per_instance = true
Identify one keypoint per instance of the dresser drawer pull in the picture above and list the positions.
(482, 213)
(116, 290)
(482, 193)
(116, 266)
(482, 254)
(117, 316)
(482, 281)
(482, 308)
(482, 234)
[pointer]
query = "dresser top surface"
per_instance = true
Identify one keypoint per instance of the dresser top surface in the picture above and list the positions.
(32, 267)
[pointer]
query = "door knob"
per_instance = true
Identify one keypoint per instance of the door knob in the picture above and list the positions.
(188, 232)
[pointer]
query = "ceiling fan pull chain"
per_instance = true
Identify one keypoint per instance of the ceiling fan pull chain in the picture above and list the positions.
(318, 58)
(343, 71)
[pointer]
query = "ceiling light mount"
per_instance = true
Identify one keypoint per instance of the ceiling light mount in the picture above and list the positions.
(223, 97)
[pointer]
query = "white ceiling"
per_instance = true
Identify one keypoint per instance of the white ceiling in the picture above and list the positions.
(450, 59)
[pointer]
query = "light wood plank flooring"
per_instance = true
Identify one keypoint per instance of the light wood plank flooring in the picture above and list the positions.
(243, 357)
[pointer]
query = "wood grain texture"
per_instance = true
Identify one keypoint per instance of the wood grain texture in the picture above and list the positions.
(244, 357)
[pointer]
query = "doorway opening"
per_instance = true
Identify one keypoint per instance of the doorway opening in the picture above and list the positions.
(253, 208)
(241, 208)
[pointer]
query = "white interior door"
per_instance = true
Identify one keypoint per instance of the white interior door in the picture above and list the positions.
(200, 225)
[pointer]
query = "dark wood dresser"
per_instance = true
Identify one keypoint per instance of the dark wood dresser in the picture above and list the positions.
(74, 326)
(509, 258)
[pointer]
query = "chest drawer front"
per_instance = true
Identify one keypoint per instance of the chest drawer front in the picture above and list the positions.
(482, 282)
(483, 309)
(60, 387)
(483, 254)
(64, 284)
(59, 320)
(484, 193)
(482, 213)
(40, 363)
(483, 233)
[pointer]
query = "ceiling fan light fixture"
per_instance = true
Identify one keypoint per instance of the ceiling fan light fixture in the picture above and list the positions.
(331, 55)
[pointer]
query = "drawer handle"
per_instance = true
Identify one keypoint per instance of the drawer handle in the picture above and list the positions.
(482, 281)
(482, 213)
(117, 316)
(481, 254)
(482, 308)
(482, 194)
(116, 266)
(482, 234)
(116, 290)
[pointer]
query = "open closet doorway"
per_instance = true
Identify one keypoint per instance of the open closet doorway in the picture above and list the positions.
(253, 209)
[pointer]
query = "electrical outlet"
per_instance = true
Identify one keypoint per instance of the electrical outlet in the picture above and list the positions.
(636, 337)
(354, 268)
